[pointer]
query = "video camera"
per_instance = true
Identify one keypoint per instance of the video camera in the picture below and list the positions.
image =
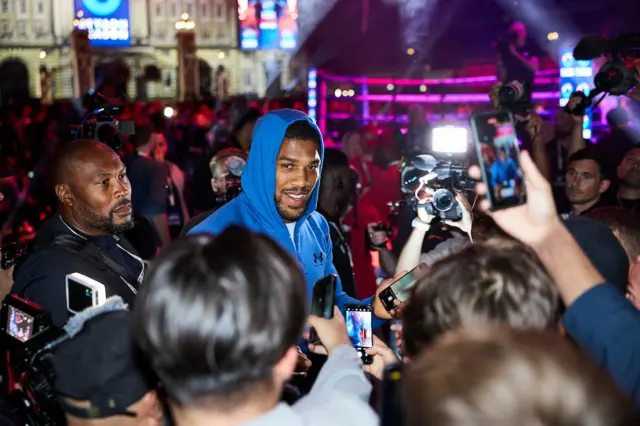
(101, 124)
(515, 96)
(442, 177)
(618, 75)
(28, 334)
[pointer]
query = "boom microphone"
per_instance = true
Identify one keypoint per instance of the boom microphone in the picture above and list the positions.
(590, 47)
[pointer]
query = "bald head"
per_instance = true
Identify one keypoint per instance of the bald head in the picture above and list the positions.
(94, 194)
(76, 153)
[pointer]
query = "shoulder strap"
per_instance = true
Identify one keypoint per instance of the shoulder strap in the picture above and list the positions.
(95, 253)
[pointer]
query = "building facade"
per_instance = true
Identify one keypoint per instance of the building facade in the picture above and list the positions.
(35, 35)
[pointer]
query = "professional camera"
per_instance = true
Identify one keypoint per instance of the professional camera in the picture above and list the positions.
(101, 124)
(232, 192)
(618, 75)
(28, 334)
(444, 178)
(515, 96)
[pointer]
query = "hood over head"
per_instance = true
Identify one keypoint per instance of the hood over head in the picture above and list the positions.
(259, 174)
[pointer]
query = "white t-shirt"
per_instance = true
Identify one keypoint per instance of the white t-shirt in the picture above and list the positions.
(291, 227)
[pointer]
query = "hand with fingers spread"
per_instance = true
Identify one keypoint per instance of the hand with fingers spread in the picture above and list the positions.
(378, 308)
(332, 332)
(533, 221)
(383, 355)
(533, 124)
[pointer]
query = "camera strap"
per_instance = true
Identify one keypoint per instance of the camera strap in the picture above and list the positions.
(95, 254)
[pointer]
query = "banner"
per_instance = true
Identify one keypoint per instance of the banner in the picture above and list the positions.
(107, 21)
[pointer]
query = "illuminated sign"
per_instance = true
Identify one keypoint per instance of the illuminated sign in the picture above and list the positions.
(106, 20)
(312, 100)
(268, 24)
(575, 76)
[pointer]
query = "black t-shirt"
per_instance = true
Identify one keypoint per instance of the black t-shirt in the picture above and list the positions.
(515, 69)
(631, 205)
(342, 256)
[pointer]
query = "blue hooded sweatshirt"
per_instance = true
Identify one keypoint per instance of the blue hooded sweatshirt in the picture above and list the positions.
(255, 207)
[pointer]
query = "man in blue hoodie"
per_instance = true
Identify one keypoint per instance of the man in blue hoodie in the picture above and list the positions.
(280, 185)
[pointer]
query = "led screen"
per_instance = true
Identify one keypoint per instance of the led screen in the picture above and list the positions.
(107, 21)
(268, 24)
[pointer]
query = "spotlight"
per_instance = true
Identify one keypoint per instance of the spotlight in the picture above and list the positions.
(410, 51)
(390, 87)
(221, 55)
(553, 36)
(423, 88)
(345, 93)
(338, 93)
(168, 112)
(42, 54)
(352, 92)
(184, 16)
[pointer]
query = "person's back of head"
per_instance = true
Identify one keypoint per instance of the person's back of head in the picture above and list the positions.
(141, 140)
(507, 377)
(217, 318)
(493, 282)
(618, 118)
(624, 224)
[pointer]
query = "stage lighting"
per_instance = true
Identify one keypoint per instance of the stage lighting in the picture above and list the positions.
(390, 87)
(338, 93)
(168, 112)
(423, 88)
(449, 139)
(410, 51)
(553, 36)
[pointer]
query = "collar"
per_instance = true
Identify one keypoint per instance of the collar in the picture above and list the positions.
(77, 233)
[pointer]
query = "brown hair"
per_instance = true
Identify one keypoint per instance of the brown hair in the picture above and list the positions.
(624, 224)
(506, 377)
(498, 281)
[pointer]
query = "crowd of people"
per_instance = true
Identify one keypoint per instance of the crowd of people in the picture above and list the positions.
(209, 230)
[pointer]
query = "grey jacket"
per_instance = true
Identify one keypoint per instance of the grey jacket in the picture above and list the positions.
(340, 396)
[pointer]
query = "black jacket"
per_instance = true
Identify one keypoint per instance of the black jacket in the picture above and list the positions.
(59, 250)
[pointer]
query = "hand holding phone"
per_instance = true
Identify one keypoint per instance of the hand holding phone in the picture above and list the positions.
(323, 301)
(399, 290)
(332, 332)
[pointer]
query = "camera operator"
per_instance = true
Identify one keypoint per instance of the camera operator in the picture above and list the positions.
(94, 208)
(226, 168)
(513, 61)
(413, 249)
(218, 320)
(100, 379)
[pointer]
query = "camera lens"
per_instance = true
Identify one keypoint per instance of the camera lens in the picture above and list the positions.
(443, 200)
(511, 92)
(110, 136)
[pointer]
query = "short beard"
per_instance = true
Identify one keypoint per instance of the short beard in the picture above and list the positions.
(105, 223)
(285, 214)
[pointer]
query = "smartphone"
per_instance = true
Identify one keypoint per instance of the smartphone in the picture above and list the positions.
(83, 292)
(390, 404)
(497, 147)
(359, 320)
(400, 289)
(322, 301)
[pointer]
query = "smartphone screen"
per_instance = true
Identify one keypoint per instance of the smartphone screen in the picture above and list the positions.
(80, 296)
(19, 324)
(402, 287)
(499, 158)
(359, 325)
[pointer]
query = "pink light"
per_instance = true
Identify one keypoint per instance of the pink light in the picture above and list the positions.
(489, 79)
(451, 99)
(322, 122)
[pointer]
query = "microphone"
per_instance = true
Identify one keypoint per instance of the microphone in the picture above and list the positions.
(590, 47)
(424, 162)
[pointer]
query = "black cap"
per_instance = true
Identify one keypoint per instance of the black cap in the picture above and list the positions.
(602, 248)
(100, 365)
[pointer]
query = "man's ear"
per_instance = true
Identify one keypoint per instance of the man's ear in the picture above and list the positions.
(63, 192)
(284, 368)
(604, 185)
(214, 184)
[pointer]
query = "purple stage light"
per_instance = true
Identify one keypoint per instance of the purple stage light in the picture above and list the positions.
(487, 79)
(447, 99)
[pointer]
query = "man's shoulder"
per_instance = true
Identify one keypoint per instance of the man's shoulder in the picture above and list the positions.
(232, 213)
(319, 222)
(195, 221)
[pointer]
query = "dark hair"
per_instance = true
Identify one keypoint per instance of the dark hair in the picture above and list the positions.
(624, 224)
(334, 158)
(593, 154)
(493, 282)
(502, 376)
(251, 116)
(216, 314)
(143, 133)
(618, 117)
(302, 130)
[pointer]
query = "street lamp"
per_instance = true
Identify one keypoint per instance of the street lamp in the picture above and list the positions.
(185, 23)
